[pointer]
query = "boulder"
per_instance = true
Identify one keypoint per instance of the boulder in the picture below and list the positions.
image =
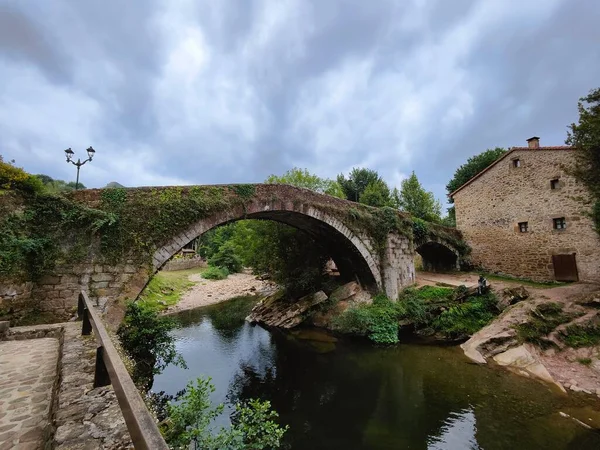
(276, 311)
(511, 296)
(521, 359)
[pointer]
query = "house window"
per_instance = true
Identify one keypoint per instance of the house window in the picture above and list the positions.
(554, 184)
(560, 223)
(516, 162)
(523, 227)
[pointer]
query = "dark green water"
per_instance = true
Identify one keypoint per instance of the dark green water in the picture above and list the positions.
(351, 395)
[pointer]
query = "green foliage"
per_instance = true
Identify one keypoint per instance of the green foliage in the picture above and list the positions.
(53, 186)
(146, 338)
(419, 202)
(472, 167)
(420, 229)
(378, 321)
(429, 308)
(465, 319)
(14, 178)
(582, 335)
(40, 235)
(377, 193)
(357, 182)
(190, 421)
(215, 273)
(542, 321)
(584, 361)
(304, 179)
(227, 258)
(245, 191)
(450, 219)
(585, 137)
(428, 293)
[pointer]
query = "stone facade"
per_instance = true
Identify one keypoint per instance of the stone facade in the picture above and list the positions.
(529, 185)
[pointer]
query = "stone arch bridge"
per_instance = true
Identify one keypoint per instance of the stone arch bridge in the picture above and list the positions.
(374, 246)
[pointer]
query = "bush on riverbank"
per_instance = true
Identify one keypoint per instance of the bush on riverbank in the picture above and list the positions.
(429, 310)
(215, 273)
(145, 337)
(191, 420)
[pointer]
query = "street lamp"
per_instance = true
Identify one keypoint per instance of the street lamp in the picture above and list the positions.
(69, 153)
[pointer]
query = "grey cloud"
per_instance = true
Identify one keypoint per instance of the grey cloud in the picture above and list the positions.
(211, 92)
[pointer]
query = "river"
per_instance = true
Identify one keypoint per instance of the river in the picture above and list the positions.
(348, 394)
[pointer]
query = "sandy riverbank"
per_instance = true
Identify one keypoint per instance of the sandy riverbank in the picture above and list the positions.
(208, 292)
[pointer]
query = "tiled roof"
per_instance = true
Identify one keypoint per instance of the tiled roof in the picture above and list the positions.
(555, 147)
(511, 150)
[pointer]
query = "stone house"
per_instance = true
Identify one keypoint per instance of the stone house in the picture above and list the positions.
(525, 216)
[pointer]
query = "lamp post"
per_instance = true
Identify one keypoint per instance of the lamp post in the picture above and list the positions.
(69, 153)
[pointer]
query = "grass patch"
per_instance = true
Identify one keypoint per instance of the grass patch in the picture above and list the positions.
(582, 335)
(543, 320)
(427, 293)
(166, 288)
(215, 273)
(584, 361)
(525, 281)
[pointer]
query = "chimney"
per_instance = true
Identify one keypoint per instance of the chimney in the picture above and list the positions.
(533, 142)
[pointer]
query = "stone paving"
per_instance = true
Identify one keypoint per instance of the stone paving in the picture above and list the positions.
(28, 372)
(86, 418)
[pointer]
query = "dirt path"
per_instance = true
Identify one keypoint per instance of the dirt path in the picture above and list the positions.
(209, 292)
(553, 293)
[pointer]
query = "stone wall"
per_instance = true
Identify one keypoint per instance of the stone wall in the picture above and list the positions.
(183, 264)
(14, 295)
(489, 209)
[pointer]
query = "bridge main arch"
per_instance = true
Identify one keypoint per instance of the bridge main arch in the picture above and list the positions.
(350, 252)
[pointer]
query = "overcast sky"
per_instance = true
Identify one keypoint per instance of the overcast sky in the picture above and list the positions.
(198, 92)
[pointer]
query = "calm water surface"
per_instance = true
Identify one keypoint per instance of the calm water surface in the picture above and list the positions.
(351, 395)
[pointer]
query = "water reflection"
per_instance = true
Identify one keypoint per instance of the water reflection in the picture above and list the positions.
(350, 395)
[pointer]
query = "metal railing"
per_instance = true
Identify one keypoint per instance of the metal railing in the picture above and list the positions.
(111, 370)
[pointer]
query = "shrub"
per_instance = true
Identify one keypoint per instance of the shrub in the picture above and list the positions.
(146, 338)
(12, 177)
(215, 273)
(191, 421)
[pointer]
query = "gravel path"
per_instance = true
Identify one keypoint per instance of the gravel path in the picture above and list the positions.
(209, 292)
(28, 370)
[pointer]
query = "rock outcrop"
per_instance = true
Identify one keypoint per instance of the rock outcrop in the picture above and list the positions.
(577, 369)
(340, 300)
(276, 311)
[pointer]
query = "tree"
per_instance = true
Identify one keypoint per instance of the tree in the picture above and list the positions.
(57, 186)
(585, 137)
(357, 182)
(304, 179)
(419, 202)
(377, 193)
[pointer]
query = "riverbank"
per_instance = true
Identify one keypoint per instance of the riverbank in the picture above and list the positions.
(203, 292)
